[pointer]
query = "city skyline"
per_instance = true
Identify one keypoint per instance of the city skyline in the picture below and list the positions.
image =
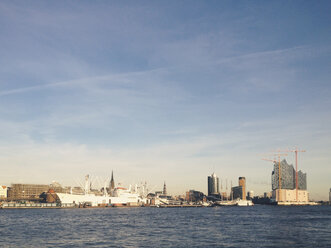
(164, 91)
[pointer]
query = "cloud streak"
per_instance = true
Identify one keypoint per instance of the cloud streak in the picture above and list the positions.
(155, 91)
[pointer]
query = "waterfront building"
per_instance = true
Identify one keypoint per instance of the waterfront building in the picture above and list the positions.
(287, 192)
(26, 191)
(242, 183)
(18, 192)
(213, 185)
(239, 192)
(267, 194)
(3, 192)
(289, 195)
(250, 195)
(288, 177)
(194, 196)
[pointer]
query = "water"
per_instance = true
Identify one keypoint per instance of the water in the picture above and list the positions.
(258, 226)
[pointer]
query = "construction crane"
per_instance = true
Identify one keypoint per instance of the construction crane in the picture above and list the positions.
(279, 173)
(296, 150)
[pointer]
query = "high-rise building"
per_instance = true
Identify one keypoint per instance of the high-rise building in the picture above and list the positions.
(213, 185)
(242, 183)
(288, 177)
(239, 192)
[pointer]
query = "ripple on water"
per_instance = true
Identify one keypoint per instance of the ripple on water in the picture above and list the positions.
(258, 226)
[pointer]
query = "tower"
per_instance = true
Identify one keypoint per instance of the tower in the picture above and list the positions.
(213, 185)
(112, 182)
(242, 183)
(164, 189)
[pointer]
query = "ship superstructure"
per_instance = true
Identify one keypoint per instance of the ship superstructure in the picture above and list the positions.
(112, 196)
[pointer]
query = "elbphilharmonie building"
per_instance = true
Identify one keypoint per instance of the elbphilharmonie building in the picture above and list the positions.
(287, 174)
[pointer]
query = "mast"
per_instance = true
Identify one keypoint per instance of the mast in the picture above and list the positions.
(87, 184)
(105, 193)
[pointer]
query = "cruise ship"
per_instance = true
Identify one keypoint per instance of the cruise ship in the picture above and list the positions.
(117, 196)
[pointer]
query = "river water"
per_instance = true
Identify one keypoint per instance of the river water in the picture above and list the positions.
(257, 226)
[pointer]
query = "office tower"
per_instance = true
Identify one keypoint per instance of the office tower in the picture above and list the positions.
(242, 183)
(213, 185)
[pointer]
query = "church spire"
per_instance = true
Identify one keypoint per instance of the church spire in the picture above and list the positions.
(112, 182)
(164, 189)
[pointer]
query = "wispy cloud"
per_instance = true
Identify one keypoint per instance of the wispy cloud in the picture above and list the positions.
(156, 90)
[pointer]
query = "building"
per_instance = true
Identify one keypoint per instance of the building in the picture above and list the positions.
(267, 194)
(26, 191)
(287, 192)
(330, 197)
(288, 177)
(239, 192)
(194, 196)
(213, 185)
(17, 192)
(3, 192)
(289, 195)
(242, 183)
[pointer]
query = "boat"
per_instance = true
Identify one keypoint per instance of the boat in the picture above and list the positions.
(225, 203)
(118, 196)
(244, 203)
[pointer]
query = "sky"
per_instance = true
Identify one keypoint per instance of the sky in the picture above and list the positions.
(164, 91)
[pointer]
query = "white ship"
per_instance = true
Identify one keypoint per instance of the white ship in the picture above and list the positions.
(239, 202)
(244, 203)
(117, 196)
(225, 203)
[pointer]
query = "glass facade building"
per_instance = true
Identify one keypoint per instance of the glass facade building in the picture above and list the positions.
(213, 185)
(288, 178)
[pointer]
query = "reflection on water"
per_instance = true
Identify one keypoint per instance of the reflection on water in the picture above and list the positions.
(258, 226)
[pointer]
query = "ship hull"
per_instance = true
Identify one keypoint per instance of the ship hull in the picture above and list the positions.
(95, 200)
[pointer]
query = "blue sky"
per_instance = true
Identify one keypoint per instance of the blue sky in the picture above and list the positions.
(164, 91)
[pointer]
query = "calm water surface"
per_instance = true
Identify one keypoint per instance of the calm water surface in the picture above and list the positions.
(258, 226)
